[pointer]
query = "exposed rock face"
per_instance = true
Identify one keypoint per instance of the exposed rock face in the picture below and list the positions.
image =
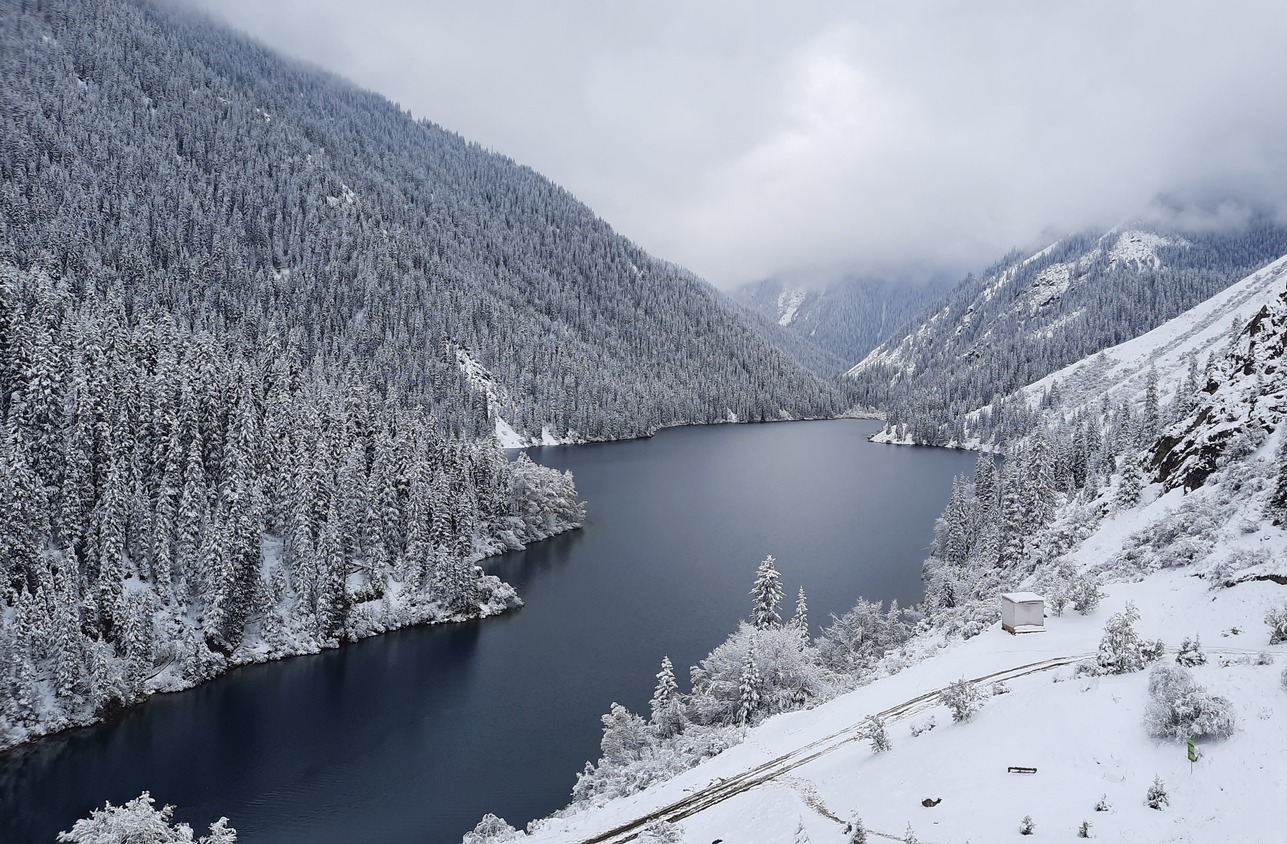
(1247, 395)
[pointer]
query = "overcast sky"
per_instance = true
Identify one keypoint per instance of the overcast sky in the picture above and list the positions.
(810, 139)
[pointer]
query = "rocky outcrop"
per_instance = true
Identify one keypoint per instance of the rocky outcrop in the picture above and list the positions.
(1242, 402)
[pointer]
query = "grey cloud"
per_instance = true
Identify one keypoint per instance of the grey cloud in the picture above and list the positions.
(745, 140)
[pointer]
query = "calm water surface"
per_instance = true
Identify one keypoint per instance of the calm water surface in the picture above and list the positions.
(413, 735)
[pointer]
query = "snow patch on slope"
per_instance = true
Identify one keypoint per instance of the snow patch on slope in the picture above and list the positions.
(1140, 249)
(480, 379)
(789, 302)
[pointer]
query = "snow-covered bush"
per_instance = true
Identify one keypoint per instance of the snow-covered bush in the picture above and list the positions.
(877, 734)
(626, 737)
(1083, 831)
(620, 771)
(1120, 650)
(1157, 798)
(1058, 598)
(1026, 826)
(1191, 654)
(789, 676)
(1152, 651)
(137, 822)
(490, 830)
(855, 641)
(1084, 591)
(1277, 621)
(962, 698)
(661, 832)
(1103, 805)
(978, 617)
(923, 726)
(1178, 707)
(1180, 538)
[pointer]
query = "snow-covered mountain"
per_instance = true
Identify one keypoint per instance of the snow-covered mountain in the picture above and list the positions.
(1033, 314)
(1178, 630)
(847, 318)
(259, 330)
(227, 186)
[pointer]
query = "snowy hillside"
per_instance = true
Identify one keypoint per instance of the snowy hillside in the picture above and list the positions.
(1085, 736)
(1034, 314)
(1186, 576)
(1201, 331)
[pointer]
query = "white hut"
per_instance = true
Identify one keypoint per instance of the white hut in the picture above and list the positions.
(1023, 612)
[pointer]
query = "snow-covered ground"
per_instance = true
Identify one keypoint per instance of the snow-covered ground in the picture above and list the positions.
(1084, 735)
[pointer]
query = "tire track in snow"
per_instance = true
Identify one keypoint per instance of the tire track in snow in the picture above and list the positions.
(718, 792)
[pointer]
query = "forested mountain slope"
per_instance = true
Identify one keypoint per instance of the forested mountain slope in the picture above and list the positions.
(149, 151)
(256, 327)
(845, 319)
(1030, 315)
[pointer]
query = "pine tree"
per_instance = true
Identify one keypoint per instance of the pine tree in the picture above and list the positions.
(1128, 494)
(767, 594)
(957, 531)
(800, 621)
(667, 710)
(1190, 653)
(1151, 418)
(1157, 798)
(1277, 508)
(963, 698)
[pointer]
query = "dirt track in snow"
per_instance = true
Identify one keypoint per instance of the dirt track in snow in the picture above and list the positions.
(723, 789)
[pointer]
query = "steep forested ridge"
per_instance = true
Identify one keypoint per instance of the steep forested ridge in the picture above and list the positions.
(237, 301)
(1030, 315)
(156, 152)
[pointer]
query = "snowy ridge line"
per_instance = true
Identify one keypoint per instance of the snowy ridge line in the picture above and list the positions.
(710, 796)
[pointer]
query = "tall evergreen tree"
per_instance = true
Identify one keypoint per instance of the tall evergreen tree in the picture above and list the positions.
(1278, 496)
(667, 710)
(767, 594)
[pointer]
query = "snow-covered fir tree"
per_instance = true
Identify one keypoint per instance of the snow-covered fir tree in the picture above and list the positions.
(666, 706)
(767, 595)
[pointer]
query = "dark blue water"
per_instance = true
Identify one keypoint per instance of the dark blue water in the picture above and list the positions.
(413, 735)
